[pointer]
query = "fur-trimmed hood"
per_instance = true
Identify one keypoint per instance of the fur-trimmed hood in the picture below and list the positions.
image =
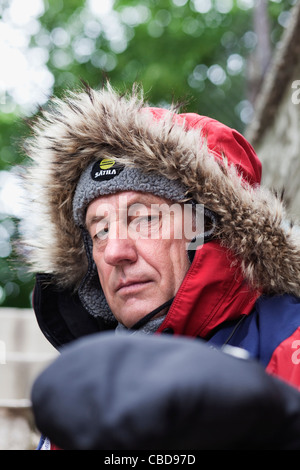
(218, 166)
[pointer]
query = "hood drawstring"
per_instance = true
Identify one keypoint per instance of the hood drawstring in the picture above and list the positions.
(140, 323)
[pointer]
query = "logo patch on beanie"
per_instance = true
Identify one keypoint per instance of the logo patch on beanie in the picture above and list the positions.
(106, 169)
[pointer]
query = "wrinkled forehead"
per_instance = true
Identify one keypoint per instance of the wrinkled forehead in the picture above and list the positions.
(127, 198)
(126, 202)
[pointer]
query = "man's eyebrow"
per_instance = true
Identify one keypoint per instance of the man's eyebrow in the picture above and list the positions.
(93, 220)
(144, 200)
(138, 204)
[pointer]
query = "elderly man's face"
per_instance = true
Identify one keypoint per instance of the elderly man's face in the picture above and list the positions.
(139, 247)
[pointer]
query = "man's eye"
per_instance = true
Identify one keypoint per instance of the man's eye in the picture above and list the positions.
(147, 220)
(144, 225)
(102, 233)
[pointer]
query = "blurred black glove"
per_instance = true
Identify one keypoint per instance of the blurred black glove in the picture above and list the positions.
(122, 392)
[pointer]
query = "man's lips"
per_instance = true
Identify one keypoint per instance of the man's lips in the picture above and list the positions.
(132, 286)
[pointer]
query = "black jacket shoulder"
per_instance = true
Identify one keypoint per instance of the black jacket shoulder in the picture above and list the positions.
(60, 314)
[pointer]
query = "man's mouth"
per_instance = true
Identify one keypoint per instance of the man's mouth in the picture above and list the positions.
(132, 286)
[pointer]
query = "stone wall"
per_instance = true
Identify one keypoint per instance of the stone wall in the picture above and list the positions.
(24, 352)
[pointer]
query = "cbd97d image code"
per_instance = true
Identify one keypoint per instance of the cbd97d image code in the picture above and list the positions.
(167, 459)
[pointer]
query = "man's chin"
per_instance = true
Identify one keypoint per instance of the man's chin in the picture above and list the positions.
(129, 316)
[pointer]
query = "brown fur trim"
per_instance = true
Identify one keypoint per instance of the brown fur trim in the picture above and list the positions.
(84, 126)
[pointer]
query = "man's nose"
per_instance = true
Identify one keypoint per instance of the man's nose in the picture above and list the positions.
(120, 250)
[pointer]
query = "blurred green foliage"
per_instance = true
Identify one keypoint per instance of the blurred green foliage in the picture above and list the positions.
(193, 50)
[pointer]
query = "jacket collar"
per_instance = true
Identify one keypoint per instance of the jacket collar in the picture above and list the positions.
(212, 292)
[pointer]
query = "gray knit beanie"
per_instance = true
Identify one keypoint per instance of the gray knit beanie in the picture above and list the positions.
(108, 177)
